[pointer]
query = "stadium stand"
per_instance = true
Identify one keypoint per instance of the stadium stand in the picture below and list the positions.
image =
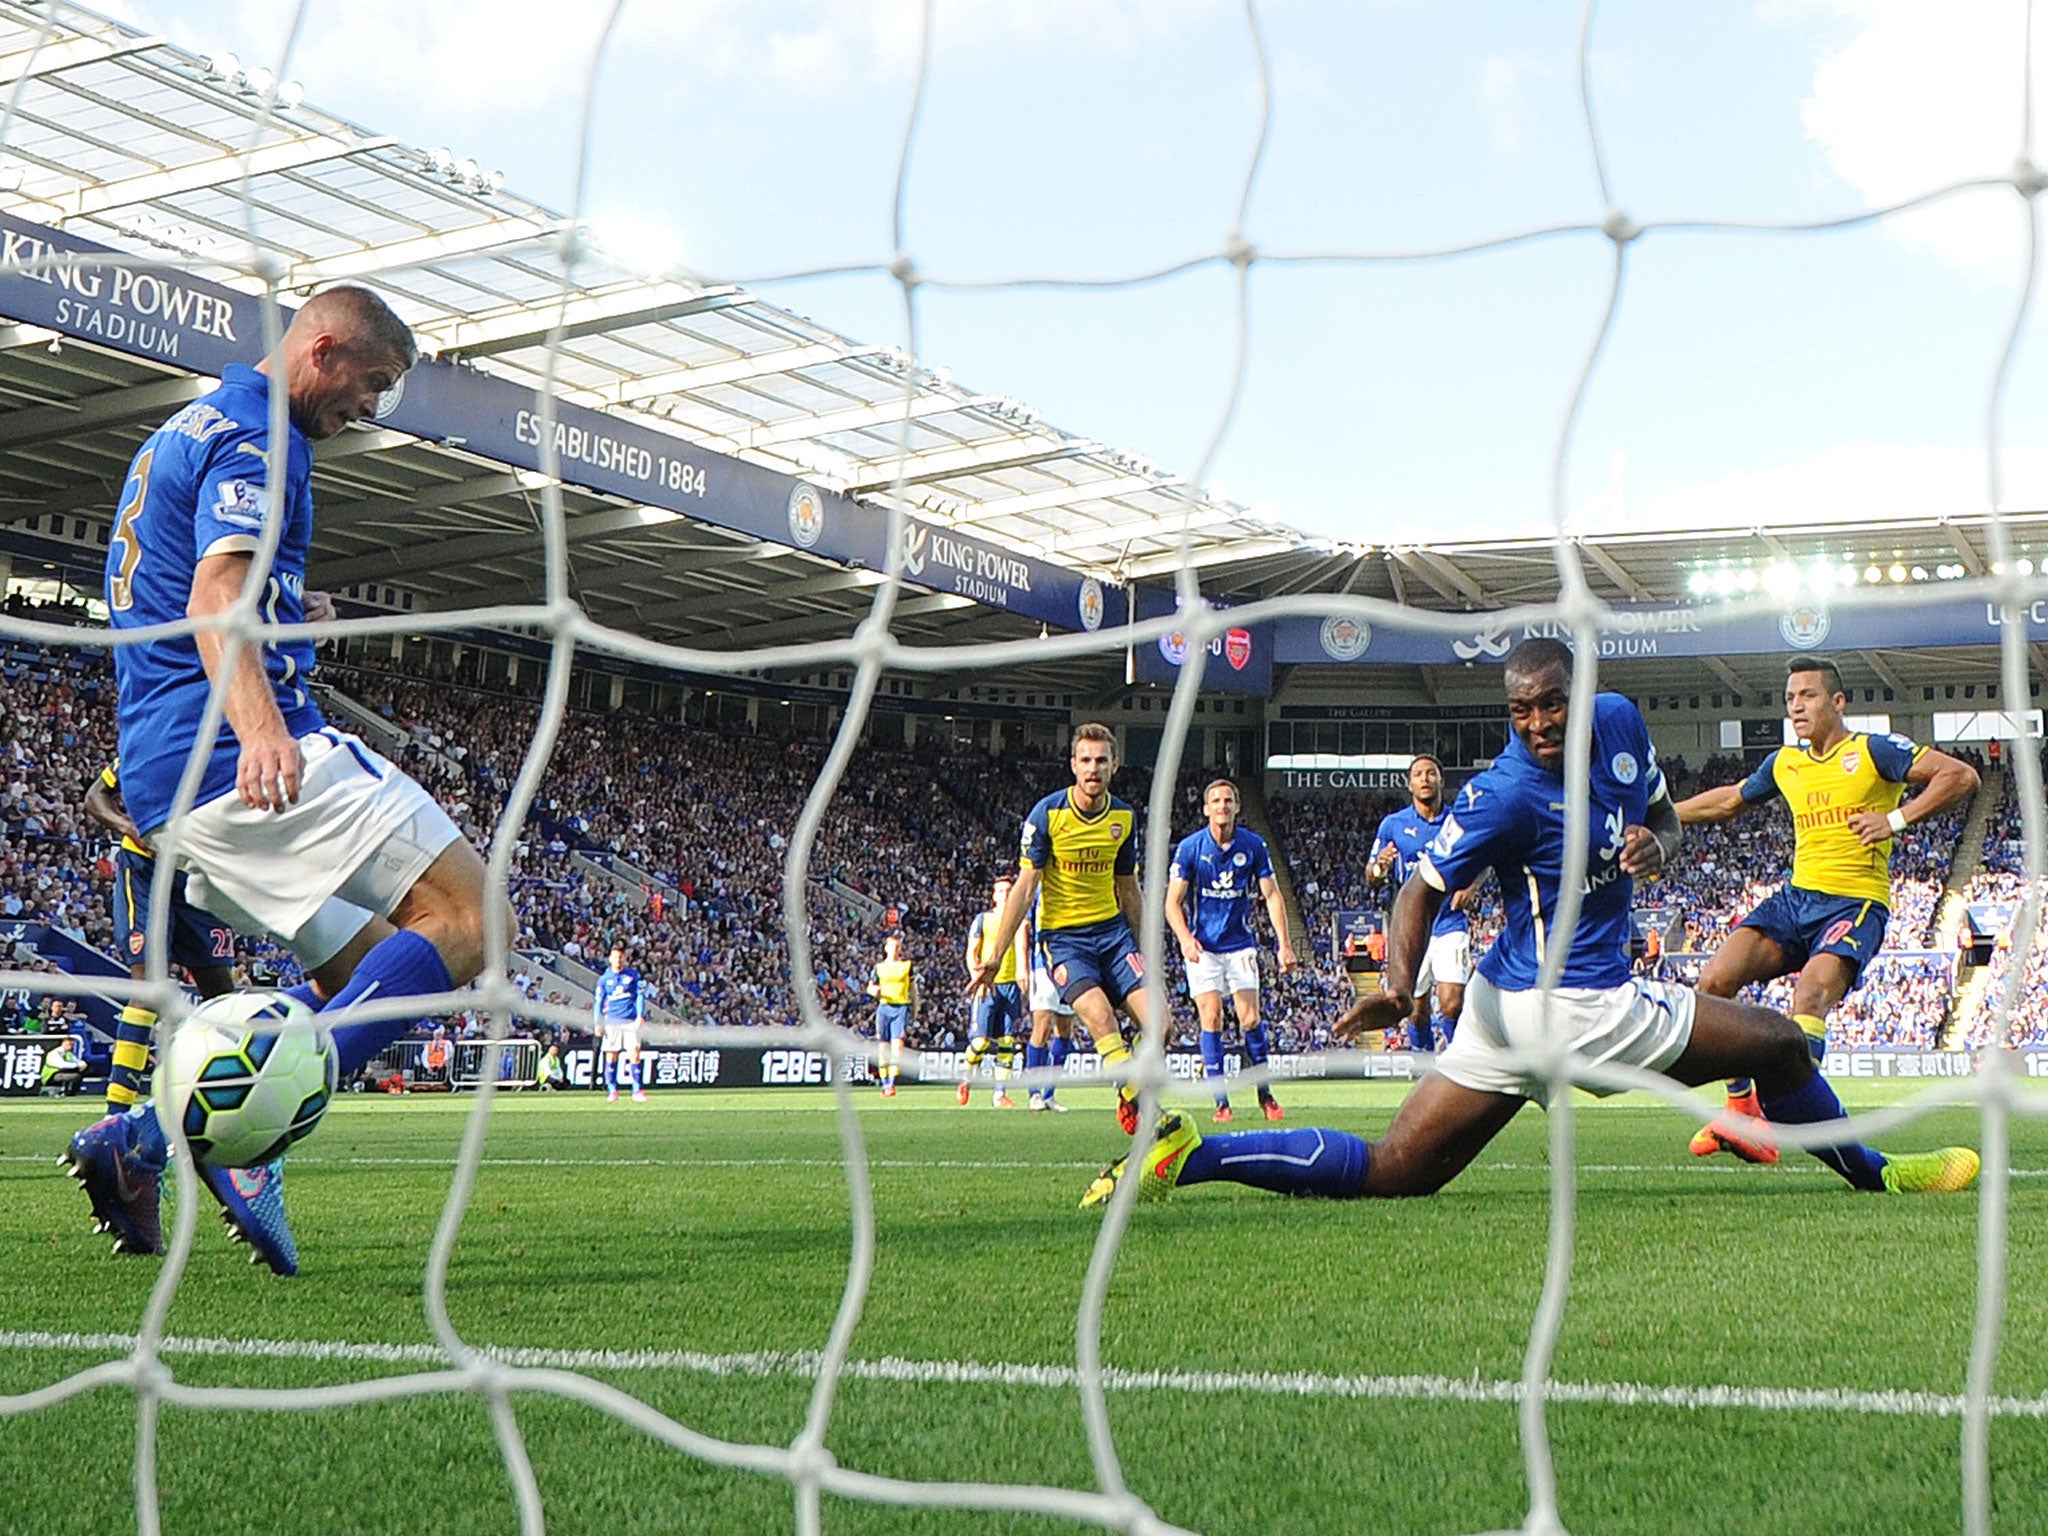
(670, 838)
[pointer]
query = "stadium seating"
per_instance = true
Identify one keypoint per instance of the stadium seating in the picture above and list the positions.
(671, 839)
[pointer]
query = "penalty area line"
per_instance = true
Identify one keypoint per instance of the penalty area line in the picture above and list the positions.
(805, 1363)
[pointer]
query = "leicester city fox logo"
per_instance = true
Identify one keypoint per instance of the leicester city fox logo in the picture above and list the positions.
(1804, 628)
(1091, 604)
(1345, 639)
(806, 515)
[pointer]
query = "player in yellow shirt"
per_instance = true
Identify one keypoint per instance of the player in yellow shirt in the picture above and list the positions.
(1079, 862)
(998, 1007)
(1827, 922)
(894, 989)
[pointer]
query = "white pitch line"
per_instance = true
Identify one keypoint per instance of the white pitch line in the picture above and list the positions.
(804, 1364)
(309, 1160)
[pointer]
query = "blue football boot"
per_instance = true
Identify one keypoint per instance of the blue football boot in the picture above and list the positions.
(252, 1208)
(120, 1161)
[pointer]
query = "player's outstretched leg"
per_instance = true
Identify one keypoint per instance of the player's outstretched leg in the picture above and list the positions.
(1730, 1038)
(1308, 1160)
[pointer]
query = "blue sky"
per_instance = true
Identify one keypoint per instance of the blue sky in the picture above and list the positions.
(1751, 379)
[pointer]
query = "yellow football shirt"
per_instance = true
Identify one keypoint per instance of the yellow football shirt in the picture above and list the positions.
(1862, 773)
(1078, 857)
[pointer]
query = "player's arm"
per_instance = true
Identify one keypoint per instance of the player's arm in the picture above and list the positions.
(1276, 913)
(1177, 916)
(1725, 802)
(1943, 781)
(1408, 925)
(271, 766)
(1023, 891)
(1646, 849)
(104, 805)
(971, 954)
(1384, 853)
(874, 984)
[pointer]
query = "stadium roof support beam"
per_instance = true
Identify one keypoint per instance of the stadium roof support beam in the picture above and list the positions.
(1411, 561)
(53, 58)
(595, 314)
(489, 234)
(784, 631)
(1727, 674)
(385, 564)
(735, 370)
(216, 171)
(346, 514)
(108, 408)
(858, 418)
(1637, 592)
(976, 459)
(1884, 672)
(1467, 588)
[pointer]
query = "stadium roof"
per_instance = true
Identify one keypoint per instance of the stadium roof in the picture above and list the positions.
(128, 140)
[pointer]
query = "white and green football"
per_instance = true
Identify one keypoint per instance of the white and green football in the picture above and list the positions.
(247, 1075)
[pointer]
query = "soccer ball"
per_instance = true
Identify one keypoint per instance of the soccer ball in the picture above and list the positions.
(247, 1075)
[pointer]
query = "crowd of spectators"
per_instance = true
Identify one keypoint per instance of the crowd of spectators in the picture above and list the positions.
(672, 840)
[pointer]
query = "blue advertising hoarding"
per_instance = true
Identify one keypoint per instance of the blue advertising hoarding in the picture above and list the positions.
(1651, 630)
(53, 279)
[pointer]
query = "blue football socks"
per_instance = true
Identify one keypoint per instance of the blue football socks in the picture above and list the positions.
(1813, 1102)
(404, 965)
(1306, 1161)
(1258, 1047)
(1212, 1065)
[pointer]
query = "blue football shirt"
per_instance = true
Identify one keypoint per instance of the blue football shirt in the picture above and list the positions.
(618, 996)
(1511, 819)
(196, 488)
(1411, 833)
(1222, 880)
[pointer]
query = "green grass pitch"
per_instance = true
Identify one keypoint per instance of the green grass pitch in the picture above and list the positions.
(718, 1223)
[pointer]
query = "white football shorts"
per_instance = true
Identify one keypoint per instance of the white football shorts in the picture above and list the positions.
(1045, 994)
(1235, 972)
(1639, 1024)
(361, 832)
(1446, 963)
(621, 1038)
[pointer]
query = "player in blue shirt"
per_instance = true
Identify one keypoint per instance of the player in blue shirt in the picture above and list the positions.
(1511, 818)
(617, 1010)
(1397, 847)
(1220, 867)
(298, 830)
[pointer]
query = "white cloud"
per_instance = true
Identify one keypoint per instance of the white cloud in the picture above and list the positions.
(1504, 103)
(1920, 97)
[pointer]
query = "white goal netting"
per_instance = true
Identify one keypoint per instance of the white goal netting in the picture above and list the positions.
(1614, 238)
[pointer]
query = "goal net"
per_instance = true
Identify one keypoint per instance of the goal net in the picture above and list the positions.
(1617, 237)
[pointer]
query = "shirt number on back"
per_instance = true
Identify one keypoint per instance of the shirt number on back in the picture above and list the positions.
(121, 590)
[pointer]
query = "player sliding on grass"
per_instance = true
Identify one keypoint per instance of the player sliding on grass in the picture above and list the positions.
(1827, 922)
(299, 830)
(1511, 819)
(1079, 861)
